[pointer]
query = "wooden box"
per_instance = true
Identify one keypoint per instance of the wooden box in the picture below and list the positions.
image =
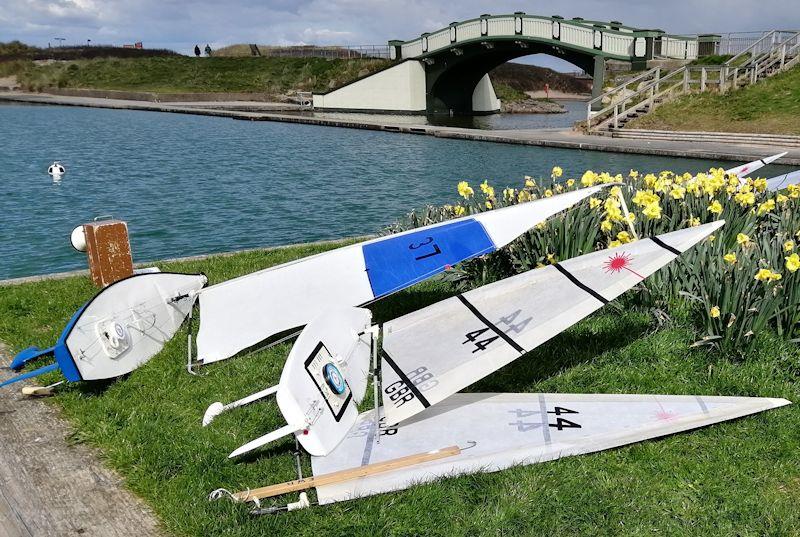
(109, 251)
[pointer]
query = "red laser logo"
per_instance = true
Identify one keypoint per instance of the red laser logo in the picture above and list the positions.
(619, 262)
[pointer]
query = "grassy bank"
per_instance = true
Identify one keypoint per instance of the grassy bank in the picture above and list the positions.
(181, 74)
(741, 477)
(771, 106)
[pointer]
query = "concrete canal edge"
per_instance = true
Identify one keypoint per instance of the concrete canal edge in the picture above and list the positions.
(554, 138)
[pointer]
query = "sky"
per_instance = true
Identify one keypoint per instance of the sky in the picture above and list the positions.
(179, 25)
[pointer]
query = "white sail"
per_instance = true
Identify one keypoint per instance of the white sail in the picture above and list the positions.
(432, 353)
(783, 181)
(242, 312)
(745, 170)
(498, 431)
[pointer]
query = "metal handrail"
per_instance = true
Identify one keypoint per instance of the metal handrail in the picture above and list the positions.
(625, 84)
(747, 50)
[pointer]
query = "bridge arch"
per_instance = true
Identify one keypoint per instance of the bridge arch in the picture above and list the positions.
(451, 78)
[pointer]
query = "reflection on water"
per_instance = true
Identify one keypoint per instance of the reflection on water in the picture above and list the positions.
(575, 111)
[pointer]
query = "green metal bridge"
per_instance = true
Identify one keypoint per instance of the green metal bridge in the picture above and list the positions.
(457, 57)
(446, 71)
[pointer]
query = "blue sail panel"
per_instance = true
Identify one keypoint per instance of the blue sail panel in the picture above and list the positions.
(398, 262)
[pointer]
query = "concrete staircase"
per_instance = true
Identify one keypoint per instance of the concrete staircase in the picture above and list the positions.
(773, 53)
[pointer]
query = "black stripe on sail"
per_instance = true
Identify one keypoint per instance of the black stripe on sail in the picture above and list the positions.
(761, 160)
(665, 246)
(491, 326)
(580, 284)
(405, 379)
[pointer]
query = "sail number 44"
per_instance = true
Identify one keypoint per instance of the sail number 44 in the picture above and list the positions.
(560, 423)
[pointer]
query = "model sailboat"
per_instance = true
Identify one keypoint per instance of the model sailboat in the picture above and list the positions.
(485, 432)
(430, 354)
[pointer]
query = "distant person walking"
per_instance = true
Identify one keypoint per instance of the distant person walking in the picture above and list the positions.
(197, 50)
(208, 50)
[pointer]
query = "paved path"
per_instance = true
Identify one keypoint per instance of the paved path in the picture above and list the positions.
(51, 488)
(566, 139)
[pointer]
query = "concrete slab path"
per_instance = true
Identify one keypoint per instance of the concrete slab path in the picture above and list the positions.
(49, 487)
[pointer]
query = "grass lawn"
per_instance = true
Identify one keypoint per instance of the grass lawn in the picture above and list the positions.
(178, 74)
(770, 106)
(735, 478)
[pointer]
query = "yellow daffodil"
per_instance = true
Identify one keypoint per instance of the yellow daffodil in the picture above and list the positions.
(766, 275)
(589, 178)
(788, 246)
(594, 203)
(730, 258)
(766, 207)
(488, 204)
(745, 198)
(615, 191)
(652, 211)
(742, 239)
(677, 193)
(793, 263)
(551, 258)
(529, 182)
(459, 210)
(693, 221)
(633, 174)
(715, 207)
(760, 184)
(559, 187)
(714, 312)
(624, 237)
(782, 199)
(794, 191)
(605, 226)
(557, 172)
(541, 225)
(487, 190)
(548, 193)
(523, 196)
(614, 244)
(570, 183)
(464, 190)
(509, 193)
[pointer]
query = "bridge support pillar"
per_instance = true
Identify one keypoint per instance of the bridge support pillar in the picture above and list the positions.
(598, 79)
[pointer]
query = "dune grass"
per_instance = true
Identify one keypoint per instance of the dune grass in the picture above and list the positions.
(179, 74)
(770, 106)
(735, 478)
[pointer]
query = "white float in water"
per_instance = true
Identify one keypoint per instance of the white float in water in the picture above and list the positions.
(56, 169)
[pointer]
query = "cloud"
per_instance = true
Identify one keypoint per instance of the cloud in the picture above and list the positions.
(180, 24)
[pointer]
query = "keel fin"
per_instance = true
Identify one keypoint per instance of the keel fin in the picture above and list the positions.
(30, 374)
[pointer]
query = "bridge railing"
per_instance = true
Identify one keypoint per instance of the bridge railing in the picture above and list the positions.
(608, 39)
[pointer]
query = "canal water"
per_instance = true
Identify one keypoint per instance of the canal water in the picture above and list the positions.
(194, 184)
